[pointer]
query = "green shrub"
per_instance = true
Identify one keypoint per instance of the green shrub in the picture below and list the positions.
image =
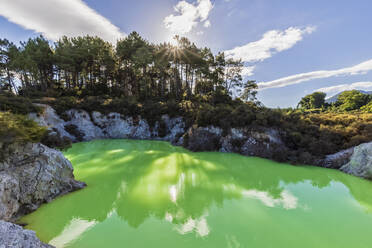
(17, 105)
(63, 104)
(367, 108)
(19, 129)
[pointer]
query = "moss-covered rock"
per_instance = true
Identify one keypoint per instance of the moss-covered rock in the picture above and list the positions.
(18, 129)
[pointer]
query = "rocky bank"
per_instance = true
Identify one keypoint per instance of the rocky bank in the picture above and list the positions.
(79, 125)
(30, 175)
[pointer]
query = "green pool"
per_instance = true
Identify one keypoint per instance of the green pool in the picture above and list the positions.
(151, 194)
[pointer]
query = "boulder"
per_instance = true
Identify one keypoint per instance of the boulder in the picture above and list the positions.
(31, 175)
(360, 162)
(14, 236)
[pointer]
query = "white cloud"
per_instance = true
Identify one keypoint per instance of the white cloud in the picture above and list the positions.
(188, 16)
(207, 24)
(272, 42)
(361, 68)
(248, 71)
(333, 90)
(56, 18)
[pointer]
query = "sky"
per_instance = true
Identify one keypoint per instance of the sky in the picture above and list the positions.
(290, 47)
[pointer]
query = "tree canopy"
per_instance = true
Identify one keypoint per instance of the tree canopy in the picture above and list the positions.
(133, 67)
(352, 100)
(313, 101)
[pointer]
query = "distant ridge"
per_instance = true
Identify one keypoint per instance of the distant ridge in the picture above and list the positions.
(334, 98)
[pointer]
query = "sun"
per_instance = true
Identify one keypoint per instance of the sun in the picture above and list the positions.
(171, 39)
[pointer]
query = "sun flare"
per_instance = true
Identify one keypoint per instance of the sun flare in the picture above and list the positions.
(171, 39)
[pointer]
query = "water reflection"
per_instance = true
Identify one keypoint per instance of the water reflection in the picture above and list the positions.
(286, 199)
(72, 231)
(140, 180)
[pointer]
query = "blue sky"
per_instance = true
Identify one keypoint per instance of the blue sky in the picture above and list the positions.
(291, 48)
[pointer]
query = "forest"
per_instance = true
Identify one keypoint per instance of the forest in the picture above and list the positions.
(89, 66)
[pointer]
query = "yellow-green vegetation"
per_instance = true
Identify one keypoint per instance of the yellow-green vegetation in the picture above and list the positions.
(352, 100)
(17, 104)
(325, 133)
(18, 128)
(367, 108)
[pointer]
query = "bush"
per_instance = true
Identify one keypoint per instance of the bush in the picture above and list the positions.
(367, 108)
(325, 133)
(63, 104)
(17, 105)
(18, 129)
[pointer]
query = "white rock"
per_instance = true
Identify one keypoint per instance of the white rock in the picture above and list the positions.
(51, 120)
(142, 130)
(31, 175)
(14, 236)
(175, 128)
(113, 126)
(335, 161)
(9, 195)
(84, 124)
(360, 162)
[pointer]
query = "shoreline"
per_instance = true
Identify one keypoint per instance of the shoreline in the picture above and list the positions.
(251, 141)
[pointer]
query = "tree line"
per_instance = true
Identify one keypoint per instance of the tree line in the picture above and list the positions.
(132, 67)
(351, 100)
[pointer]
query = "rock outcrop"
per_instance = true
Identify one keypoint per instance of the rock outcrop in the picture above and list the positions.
(111, 126)
(259, 142)
(360, 162)
(337, 160)
(52, 121)
(31, 175)
(79, 125)
(14, 236)
(96, 125)
(203, 139)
